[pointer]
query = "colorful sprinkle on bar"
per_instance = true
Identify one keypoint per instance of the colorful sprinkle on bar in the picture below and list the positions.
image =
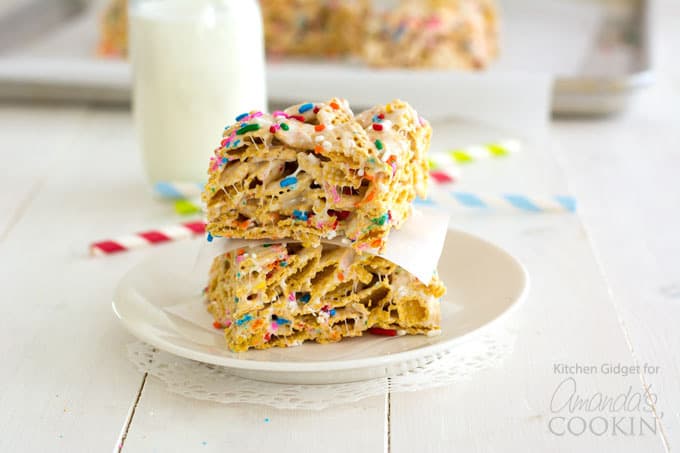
(301, 215)
(289, 181)
(380, 220)
(340, 215)
(248, 128)
(383, 332)
(244, 320)
(305, 107)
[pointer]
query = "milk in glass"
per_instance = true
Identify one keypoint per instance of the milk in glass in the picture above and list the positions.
(197, 64)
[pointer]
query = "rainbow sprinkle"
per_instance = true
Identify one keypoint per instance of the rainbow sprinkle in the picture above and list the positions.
(244, 320)
(248, 128)
(334, 193)
(289, 181)
(381, 220)
(305, 107)
(301, 215)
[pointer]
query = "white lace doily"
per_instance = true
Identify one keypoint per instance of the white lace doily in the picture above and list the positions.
(214, 383)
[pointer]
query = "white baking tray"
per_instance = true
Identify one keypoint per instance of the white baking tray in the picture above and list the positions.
(597, 51)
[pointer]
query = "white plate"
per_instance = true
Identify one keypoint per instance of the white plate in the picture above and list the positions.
(483, 283)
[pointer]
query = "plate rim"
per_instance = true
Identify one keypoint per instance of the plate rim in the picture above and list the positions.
(321, 366)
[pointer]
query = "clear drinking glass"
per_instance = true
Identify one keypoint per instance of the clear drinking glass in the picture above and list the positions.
(196, 65)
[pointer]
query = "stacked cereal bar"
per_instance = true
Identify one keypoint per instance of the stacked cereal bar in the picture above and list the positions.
(316, 171)
(295, 179)
(279, 294)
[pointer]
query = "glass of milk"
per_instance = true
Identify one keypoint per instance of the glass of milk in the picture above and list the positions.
(196, 65)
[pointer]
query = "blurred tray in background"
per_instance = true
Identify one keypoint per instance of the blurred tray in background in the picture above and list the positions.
(598, 51)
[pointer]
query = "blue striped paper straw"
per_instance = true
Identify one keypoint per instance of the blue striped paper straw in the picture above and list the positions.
(178, 190)
(456, 199)
(509, 201)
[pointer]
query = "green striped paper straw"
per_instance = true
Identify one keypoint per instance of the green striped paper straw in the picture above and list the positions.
(475, 153)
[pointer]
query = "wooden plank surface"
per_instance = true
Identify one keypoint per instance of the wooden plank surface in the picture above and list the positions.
(631, 195)
(30, 139)
(213, 427)
(66, 382)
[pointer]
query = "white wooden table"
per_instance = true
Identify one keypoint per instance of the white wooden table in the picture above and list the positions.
(605, 289)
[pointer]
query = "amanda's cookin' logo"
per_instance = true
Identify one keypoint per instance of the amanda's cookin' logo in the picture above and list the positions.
(626, 413)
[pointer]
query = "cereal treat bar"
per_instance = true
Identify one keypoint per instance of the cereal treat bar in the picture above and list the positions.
(293, 27)
(459, 34)
(345, 22)
(313, 27)
(113, 40)
(316, 171)
(277, 295)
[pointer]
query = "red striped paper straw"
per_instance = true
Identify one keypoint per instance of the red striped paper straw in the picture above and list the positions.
(148, 238)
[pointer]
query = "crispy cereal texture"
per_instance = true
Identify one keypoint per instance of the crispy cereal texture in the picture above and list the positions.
(314, 28)
(315, 171)
(278, 295)
(459, 34)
